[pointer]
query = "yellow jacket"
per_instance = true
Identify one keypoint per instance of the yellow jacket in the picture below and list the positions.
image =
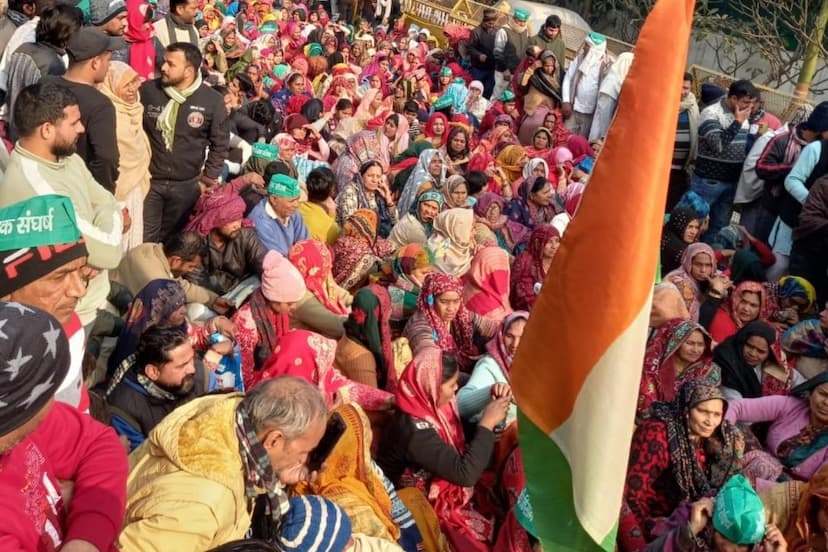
(186, 483)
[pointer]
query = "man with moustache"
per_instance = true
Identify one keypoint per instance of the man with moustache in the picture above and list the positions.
(149, 384)
(183, 118)
(44, 162)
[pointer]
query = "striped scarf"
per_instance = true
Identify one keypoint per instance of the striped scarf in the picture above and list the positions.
(259, 474)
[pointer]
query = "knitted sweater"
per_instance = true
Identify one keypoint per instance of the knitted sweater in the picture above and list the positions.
(97, 212)
(722, 144)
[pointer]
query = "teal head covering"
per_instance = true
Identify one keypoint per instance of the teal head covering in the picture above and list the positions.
(315, 49)
(507, 96)
(442, 103)
(596, 39)
(281, 185)
(37, 236)
(738, 514)
(446, 72)
(268, 27)
(265, 152)
(521, 14)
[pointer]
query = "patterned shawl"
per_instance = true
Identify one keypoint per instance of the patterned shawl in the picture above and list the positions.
(368, 325)
(723, 450)
(496, 347)
(459, 335)
(690, 289)
(314, 261)
(486, 289)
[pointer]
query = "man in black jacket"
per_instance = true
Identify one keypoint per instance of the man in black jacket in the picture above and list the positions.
(90, 51)
(481, 48)
(154, 381)
(183, 118)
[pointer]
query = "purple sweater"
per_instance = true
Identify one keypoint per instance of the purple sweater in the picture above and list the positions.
(788, 416)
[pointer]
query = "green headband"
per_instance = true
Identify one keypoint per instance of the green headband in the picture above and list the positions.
(281, 185)
(40, 220)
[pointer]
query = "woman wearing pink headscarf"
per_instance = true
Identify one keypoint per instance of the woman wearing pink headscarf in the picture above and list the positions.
(139, 36)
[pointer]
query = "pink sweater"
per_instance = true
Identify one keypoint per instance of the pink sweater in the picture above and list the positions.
(788, 416)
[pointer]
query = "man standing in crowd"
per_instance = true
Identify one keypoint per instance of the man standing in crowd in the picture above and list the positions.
(159, 377)
(183, 118)
(550, 38)
(582, 82)
(63, 473)
(47, 269)
(762, 181)
(110, 16)
(481, 50)
(44, 162)
(723, 133)
(687, 141)
(90, 51)
(24, 33)
(176, 26)
(510, 46)
(278, 223)
(181, 254)
(18, 13)
(259, 442)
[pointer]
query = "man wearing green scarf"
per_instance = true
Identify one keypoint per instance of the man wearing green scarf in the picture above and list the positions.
(183, 119)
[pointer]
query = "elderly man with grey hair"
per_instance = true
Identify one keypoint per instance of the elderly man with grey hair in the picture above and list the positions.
(217, 467)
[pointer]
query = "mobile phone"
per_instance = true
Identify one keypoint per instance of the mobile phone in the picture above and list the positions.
(333, 432)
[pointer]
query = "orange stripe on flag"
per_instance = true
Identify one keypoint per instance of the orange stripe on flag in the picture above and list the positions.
(603, 273)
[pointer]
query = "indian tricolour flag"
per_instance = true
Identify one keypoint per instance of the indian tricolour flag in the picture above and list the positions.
(577, 371)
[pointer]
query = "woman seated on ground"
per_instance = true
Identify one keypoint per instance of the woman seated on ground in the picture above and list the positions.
(456, 150)
(684, 452)
(368, 190)
(752, 363)
(310, 356)
(492, 373)
(365, 354)
(680, 231)
(265, 318)
(452, 241)
(809, 338)
(534, 167)
(417, 225)
(436, 130)
(430, 167)
(359, 250)
(325, 305)
(746, 303)
(163, 303)
(694, 276)
(679, 351)
(534, 204)
(797, 443)
(791, 299)
(456, 193)
(488, 212)
(424, 447)
(531, 266)
(486, 288)
(443, 321)
(356, 483)
(403, 276)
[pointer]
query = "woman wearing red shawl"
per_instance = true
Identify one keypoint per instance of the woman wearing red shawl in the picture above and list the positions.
(554, 123)
(486, 288)
(541, 146)
(436, 130)
(443, 320)
(747, 302)
(531, 266)
(679, 351)
(424, 447)
(339, 89)
(263, 320)
(580, 148)
(295, 41)
(483, 161)
(359, 251)
(310, 356)
(488, 211)
(139, 35)
(325, 306)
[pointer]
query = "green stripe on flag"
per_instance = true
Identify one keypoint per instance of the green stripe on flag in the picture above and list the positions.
(549, 480)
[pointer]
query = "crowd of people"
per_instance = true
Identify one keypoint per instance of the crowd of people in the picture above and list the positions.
(227, 228)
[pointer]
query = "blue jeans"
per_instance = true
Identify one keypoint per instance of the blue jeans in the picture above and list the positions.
(719, 195)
